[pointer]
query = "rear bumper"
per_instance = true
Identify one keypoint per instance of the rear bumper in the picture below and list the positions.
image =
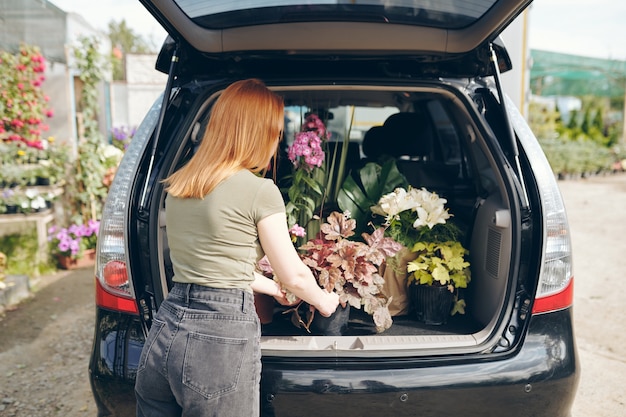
(539, 380)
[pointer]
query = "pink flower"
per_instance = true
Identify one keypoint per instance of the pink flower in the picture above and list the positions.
(297, 230)
(37, 144)
(313, 123)
(306, 148)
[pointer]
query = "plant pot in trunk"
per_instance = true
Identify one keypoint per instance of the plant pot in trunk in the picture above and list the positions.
(431, 304)
(335, 325)
(264, 305)
(395, 274)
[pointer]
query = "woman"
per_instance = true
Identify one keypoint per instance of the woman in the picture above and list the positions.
(202, 355)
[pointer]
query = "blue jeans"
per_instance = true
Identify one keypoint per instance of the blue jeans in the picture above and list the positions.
(202, 356)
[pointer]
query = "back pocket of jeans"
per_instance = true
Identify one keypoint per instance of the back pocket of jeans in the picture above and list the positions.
(212, 364)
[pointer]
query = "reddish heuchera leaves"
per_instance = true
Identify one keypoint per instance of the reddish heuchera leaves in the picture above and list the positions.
(349, 267)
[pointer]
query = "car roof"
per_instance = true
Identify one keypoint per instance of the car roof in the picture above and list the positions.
(347, 27)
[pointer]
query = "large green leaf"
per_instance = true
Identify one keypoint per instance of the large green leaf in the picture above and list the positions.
(358, 195)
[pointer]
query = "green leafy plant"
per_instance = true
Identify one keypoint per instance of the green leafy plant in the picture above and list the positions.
(359, 193)
(86, 189)
(21, 250)
(442, 264)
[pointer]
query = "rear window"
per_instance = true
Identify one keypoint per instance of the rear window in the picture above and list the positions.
(452, 14)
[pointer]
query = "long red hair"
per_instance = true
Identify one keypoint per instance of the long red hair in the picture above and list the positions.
(243, 132)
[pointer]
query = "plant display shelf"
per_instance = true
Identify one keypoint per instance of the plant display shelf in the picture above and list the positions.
(41, 220)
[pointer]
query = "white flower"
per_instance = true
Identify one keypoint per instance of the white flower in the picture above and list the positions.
(110, 151)
(38, 203)
(431, 209)
(394, 203)
(31, 193)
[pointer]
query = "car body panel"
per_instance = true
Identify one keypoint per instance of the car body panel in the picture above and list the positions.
(336, 31)
(521, 383)
(345, 36)
(514, 363)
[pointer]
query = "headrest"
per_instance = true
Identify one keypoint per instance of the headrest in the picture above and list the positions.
(373, 142)
(409, 134)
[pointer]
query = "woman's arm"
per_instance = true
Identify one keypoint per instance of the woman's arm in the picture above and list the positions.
(289, 268)
(264, 285)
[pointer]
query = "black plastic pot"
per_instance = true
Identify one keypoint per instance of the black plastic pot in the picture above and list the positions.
(431, 304)
(335, 325)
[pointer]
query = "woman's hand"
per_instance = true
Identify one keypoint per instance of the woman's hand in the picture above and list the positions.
(282, 299)
(328, 304)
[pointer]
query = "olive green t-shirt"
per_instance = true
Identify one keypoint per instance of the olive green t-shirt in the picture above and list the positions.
(214, 241)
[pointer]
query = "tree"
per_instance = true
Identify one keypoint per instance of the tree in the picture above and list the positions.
(124, 41)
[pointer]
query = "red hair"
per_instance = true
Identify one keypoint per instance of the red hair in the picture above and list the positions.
(243, 132)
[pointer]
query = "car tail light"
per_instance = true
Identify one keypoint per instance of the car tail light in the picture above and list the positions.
(555, 289)
(114, 289)
(556, 280)
(556, 284)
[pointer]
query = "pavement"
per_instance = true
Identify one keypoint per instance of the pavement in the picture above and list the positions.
(16, 288)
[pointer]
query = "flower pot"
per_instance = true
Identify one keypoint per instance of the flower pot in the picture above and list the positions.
(264, 305)
(67, 262)
(395, 286)
(335, 325)
(431, 304)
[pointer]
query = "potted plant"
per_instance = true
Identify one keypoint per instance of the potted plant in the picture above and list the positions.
(74, 243)
(121, 136)
(348, 267)
(418, 219)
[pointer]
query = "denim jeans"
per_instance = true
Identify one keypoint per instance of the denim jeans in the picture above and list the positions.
(202, 355)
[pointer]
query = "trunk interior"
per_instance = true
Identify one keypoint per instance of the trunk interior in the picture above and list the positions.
(442, 145)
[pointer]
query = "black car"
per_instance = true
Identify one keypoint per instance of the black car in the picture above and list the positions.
(359, 63)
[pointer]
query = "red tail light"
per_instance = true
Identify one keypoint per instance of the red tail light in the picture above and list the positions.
(115, 274)
(109, 301)
(556, 301)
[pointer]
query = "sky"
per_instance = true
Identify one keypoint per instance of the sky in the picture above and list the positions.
(592, 28)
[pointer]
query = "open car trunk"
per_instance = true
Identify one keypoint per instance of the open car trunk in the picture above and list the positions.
(444, 149)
